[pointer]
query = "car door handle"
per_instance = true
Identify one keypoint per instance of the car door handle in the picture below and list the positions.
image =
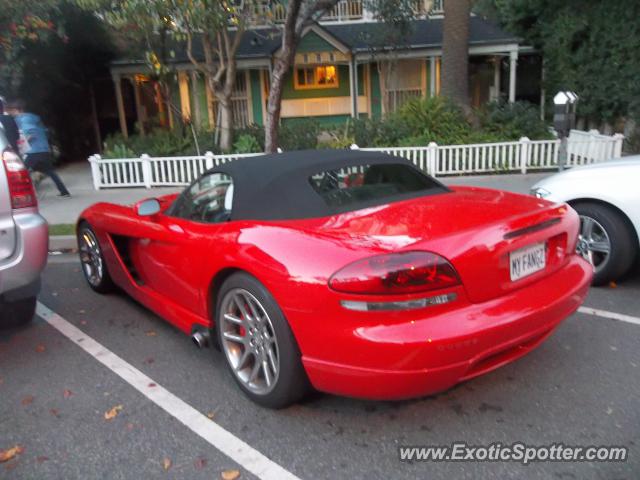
(175, 228)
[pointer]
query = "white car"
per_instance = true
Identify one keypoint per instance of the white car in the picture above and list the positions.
(607, 197)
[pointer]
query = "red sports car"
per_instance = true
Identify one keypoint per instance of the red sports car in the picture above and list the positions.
(349, 271)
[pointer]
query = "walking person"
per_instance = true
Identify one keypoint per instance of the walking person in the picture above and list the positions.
(8, 124)
(38, 152)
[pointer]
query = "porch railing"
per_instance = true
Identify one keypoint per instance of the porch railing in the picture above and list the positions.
(345, 10)
(438, 160)
(399, 96)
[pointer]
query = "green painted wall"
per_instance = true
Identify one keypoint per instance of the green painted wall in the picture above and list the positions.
(201, 98)
(342, 90)
(256, 97)
(312, 42)
(376, 98)
(325, 121)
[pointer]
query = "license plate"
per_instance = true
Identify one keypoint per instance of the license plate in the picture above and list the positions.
(527, 260)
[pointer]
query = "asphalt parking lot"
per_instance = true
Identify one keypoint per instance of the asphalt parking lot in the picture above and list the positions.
(579, 388)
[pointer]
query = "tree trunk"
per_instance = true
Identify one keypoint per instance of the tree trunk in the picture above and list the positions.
(226, 119)
(455, 52)
(273, 107)
(290, 38)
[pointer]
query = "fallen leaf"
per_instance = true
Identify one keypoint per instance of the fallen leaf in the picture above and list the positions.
(210, 415)
(613, 285)
(113, 413)
(6, 455)
(230, 474)
(152, 385)
(149, 360)
(150, 333)
(83, 322)
(67, 393)
(200, 463)
(40, 348)
(166, 463)
(28, 400)
(54, 412)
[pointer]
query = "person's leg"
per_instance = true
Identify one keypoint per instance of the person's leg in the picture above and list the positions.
(46, 166)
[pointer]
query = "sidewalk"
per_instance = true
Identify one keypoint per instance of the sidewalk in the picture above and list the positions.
(77, 178)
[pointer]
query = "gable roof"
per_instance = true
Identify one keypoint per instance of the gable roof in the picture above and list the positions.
(355, 37)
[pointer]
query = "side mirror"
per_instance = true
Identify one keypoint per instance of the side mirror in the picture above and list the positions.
(148, 207)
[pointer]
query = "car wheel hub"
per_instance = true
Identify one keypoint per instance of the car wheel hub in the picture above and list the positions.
(249, 341)
(593, 242)
(91, 257)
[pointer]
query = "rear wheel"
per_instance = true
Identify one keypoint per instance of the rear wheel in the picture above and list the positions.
(93, 265)
(21, 312)
(258, 345)
(605, 240)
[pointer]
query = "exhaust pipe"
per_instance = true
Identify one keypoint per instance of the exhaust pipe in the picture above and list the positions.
(200, 338)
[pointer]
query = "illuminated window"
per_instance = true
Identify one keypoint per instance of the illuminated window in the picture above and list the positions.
(323, 76)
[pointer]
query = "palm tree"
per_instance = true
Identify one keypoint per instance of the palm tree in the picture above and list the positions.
(455, 52)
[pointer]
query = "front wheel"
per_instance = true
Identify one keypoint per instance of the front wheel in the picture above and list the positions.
(605, 240)
(259, 347)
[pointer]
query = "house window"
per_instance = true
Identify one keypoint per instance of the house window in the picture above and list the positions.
(323, 76)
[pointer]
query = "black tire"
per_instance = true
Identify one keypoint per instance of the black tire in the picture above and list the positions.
(99, 283)
(17, 313)
(291, 384)
(623, 244)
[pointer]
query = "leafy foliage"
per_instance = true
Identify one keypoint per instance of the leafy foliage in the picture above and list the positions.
(513, 121)
(592, 48)
(23, 23)
(246, 143)
(158, 143)
(438, 120)
(299, 134)
(56, 73)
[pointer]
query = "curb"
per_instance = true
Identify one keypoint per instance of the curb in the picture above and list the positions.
(62, 243)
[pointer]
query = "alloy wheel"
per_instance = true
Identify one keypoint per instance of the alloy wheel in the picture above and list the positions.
(593, 242)
(249, 341)
(91, 257)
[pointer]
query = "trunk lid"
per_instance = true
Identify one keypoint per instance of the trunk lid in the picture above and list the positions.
(476, 229)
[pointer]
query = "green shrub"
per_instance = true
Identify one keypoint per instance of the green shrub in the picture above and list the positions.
(299, 134)
(511, 121)
(255, 131)
(246, 143)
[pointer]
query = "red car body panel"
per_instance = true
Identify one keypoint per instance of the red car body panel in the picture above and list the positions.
(173, 267)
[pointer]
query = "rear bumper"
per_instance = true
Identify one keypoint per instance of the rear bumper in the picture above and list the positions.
(20, 273)
(475, 339)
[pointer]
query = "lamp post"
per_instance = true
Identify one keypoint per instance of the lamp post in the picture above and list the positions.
(564, 119)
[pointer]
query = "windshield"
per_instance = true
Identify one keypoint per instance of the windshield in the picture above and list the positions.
(365, 184)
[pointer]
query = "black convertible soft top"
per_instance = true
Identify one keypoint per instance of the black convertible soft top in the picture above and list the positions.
(277, 186)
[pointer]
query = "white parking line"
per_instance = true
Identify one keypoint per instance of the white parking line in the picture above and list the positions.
(612, 315)
(239, 451)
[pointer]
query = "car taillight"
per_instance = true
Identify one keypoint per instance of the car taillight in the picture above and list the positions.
(395, 273)
(20, 186)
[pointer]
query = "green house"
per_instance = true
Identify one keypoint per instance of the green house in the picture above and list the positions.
(343, 68)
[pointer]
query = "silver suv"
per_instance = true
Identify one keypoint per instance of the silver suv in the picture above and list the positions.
(24, 240)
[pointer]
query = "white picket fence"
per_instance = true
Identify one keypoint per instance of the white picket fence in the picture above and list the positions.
(437, 160)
